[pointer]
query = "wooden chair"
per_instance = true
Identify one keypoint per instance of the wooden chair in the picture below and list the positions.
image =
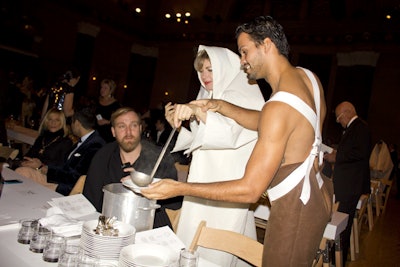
(381, 190)
(234, 243)
(387, 186)
(376, 193)
(182, 171)
(8, 152)
(173, 216)
(357, 222)
(78, 187)
(332, 236)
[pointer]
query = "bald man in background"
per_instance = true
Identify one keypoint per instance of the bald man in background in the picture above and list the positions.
(351, 174)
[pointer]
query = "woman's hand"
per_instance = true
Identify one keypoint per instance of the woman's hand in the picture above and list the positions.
(185, 112)
(34, 163)
(169, 113)
(103, 122)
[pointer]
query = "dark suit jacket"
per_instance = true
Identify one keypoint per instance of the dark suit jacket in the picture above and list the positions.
(163, 137)
(351, 174)
(77, 165)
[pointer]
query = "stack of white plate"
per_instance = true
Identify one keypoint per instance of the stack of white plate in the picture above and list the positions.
(146, 255)
(106, 247)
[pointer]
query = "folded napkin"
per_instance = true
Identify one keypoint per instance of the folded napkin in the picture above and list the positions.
(62, 224)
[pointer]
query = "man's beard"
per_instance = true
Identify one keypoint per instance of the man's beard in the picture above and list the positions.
(129, 146)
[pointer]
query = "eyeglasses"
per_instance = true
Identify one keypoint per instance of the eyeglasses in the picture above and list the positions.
(338, 117)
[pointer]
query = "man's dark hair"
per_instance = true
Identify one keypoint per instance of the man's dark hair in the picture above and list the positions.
(86, 117)
(266, 27)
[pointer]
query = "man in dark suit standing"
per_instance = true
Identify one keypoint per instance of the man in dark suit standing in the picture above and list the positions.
(351, 174)
(62, 179)
(162, 131)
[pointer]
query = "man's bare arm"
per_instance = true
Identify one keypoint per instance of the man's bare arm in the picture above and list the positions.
(247, 118)
(260, 170)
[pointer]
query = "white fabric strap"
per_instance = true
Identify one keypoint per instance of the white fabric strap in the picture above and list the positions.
(304, 170)
(297, 104)
(288, 184)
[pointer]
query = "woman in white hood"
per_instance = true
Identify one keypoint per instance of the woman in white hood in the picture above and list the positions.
(220, 148)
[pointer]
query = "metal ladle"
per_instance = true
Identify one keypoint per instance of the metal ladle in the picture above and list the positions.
(142, 179)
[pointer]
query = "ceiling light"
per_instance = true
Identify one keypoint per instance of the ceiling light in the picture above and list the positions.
(168, 15)
(187, 14)
(388, 16)
(178, 15)
(138, 10)
(178, 19)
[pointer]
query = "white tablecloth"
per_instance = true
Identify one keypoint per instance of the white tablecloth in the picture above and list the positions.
(28, 200)
(22, 134)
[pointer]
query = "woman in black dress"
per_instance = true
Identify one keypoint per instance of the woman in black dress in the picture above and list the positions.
(61, 95)
(106, 105)
(53, 144)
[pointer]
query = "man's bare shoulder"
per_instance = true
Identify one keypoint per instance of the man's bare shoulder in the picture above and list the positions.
(278, 116)
(283, 124)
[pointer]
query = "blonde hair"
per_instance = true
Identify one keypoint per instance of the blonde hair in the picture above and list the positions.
(199, 60)
(111, 84)
(60, 113)
(122, 111)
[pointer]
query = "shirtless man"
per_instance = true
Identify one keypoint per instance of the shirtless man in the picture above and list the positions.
(287, 145)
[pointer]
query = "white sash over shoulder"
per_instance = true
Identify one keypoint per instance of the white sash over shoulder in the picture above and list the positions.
(303, 171)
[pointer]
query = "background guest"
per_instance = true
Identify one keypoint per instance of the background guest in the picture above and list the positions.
(53, 144)
(63, 178)
(162, 131)
(129, 152)
(351, 173)
(61, 94)
(105, 106)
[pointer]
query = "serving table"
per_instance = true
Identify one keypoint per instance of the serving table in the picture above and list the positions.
(29, 200)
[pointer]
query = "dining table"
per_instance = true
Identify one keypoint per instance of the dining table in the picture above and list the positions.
(23, 198)
(21, 134)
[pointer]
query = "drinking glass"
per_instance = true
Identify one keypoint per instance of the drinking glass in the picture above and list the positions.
(39, 239)
(69, 257)
(54, 247)
(87, 261)
(26, 231)
(188, 258)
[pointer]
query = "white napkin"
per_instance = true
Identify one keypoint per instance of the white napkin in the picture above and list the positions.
(62, 224)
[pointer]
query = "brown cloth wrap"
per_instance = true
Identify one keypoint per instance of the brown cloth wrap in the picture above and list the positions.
(294, 230)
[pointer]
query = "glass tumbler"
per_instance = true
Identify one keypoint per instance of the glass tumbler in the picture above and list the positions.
(54, 247)
(69, 257)
(39, 239)
(188, 258)
(26, 231)
(86, 260)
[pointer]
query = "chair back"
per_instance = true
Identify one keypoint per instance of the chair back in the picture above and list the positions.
(234, 243)
(182, 171)
(8, 152)
(173, 216)
(78, 187)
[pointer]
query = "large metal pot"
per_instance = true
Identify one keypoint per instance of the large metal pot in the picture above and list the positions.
(128, 207)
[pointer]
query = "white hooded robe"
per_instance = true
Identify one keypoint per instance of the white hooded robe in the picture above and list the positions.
(220, 150)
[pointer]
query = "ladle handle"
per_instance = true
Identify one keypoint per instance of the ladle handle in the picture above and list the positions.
(153, 172)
